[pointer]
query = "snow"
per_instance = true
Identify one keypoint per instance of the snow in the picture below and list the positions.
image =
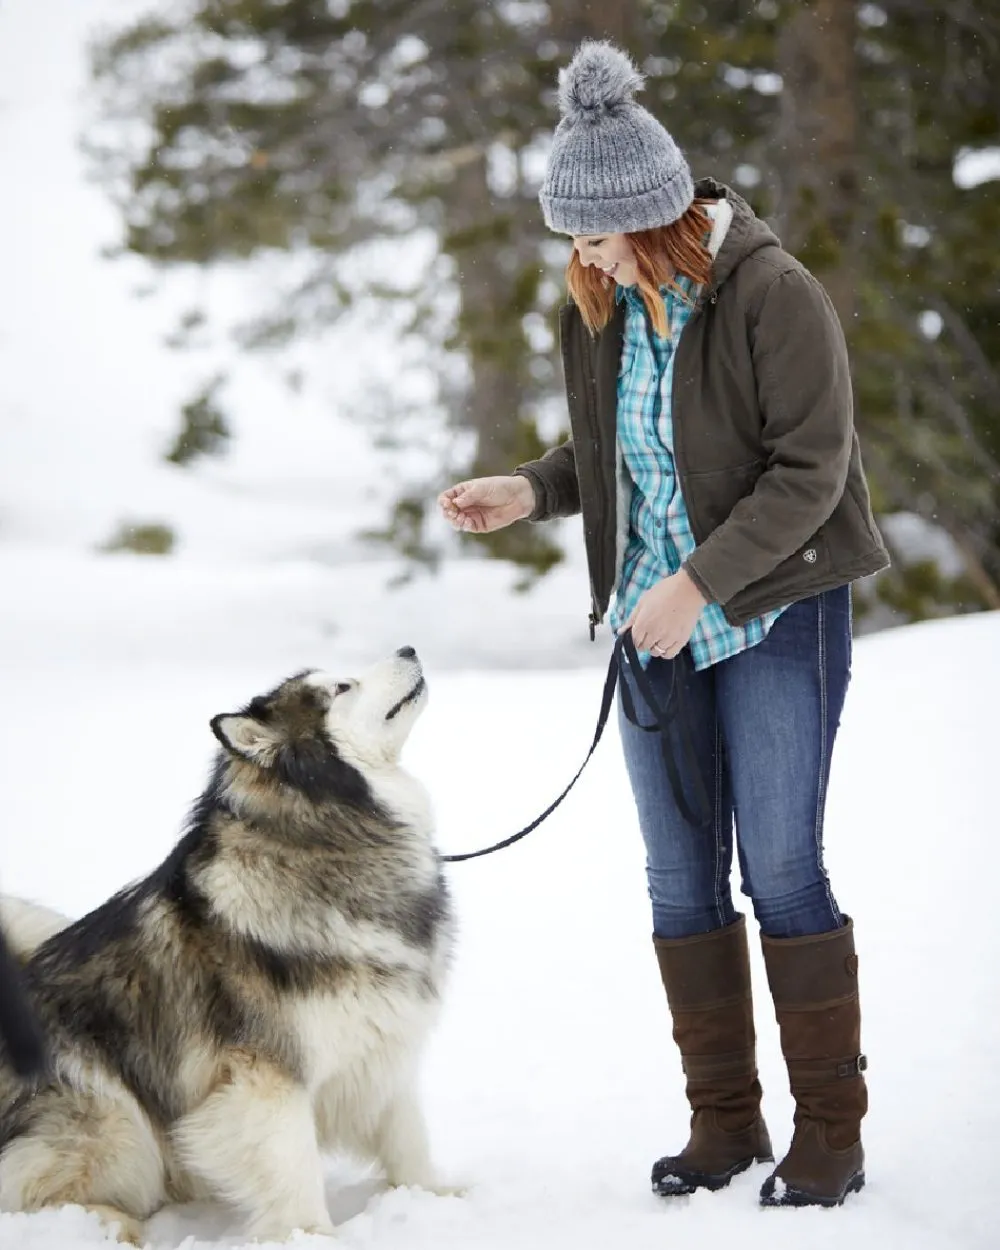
(552, 1083)
(88, 379)
(914, 538)
(974, 166)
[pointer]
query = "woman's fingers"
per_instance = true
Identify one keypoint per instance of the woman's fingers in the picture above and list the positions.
(468, 505)
(451, 496)
(457, 498)
(452, 503)
(483, 504)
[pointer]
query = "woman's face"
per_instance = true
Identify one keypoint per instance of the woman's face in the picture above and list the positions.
(610, 252)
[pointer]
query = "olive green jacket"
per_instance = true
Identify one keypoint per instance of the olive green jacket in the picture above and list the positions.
(765, 450)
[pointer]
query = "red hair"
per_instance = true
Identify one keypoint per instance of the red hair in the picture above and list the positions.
(661, 254)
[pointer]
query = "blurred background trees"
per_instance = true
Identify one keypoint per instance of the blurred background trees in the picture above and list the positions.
(337, 133)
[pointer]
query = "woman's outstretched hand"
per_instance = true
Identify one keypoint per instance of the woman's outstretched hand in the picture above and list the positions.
(487, 503)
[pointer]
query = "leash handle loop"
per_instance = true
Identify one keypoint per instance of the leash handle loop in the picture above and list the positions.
(674, 712)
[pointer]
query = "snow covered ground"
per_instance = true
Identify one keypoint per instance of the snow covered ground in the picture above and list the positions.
(552, 1083)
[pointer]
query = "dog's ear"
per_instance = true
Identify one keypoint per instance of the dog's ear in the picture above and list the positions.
(246, 736)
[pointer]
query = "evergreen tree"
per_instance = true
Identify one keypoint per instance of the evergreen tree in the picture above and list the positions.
(314, 127)
(204, 429)
(843, 122)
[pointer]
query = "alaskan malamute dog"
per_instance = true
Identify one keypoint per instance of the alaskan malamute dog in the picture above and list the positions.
(263, 996)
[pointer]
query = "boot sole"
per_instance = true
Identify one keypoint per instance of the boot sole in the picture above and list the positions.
(799, 1198)
(681, 1182)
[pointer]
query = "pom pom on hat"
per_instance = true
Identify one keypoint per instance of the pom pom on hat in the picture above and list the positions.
(600, 79)
(612, 167)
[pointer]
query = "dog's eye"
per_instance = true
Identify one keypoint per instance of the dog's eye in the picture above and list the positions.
(342, 687)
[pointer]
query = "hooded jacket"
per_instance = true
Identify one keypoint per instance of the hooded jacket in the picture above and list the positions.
(765, 449)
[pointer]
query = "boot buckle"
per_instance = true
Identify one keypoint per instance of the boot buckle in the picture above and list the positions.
(853, 1067)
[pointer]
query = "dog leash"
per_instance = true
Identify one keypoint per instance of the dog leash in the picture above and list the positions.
(624, 657)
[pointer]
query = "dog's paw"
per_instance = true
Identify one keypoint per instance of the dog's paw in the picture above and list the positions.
(451, 1189)
(125, 1229)
(441, 1187)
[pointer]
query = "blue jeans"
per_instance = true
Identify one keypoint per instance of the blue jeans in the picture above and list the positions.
(762, 724)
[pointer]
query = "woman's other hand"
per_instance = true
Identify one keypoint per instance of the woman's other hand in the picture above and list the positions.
(665, 616)
(487, 503)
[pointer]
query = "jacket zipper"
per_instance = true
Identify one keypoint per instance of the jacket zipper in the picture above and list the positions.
(593, 412)
(699, 308)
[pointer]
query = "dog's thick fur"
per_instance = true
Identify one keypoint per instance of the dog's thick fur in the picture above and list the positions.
(259, 998)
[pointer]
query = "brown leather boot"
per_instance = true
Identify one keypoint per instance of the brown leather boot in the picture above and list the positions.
(814, 983)
(707, 979)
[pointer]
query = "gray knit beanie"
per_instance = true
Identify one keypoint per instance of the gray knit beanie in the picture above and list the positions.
(613, 169)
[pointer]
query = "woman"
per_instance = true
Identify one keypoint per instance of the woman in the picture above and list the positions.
(725, 510)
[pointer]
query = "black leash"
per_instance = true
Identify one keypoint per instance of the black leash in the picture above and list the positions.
(624, 656)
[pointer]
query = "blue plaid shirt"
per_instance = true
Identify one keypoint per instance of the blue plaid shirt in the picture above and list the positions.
(659, 534)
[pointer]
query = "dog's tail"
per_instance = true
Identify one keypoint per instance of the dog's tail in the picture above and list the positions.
(24, 927)
(22, 1038)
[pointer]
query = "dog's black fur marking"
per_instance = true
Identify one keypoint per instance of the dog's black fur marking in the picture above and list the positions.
(23, 1042)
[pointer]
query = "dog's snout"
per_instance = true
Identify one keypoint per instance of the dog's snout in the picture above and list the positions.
(406, 653)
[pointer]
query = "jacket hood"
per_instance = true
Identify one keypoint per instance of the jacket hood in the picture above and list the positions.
(746, 234)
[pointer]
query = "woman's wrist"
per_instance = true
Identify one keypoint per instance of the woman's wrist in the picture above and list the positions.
(526, 492)
(691, 587)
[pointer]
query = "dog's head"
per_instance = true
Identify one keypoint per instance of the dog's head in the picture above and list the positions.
(314, 730)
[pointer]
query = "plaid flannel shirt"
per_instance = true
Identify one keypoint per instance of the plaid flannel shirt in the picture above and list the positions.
(659, 534)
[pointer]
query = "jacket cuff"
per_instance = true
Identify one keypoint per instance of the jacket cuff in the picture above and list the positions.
(539, 512)
(706, 591)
